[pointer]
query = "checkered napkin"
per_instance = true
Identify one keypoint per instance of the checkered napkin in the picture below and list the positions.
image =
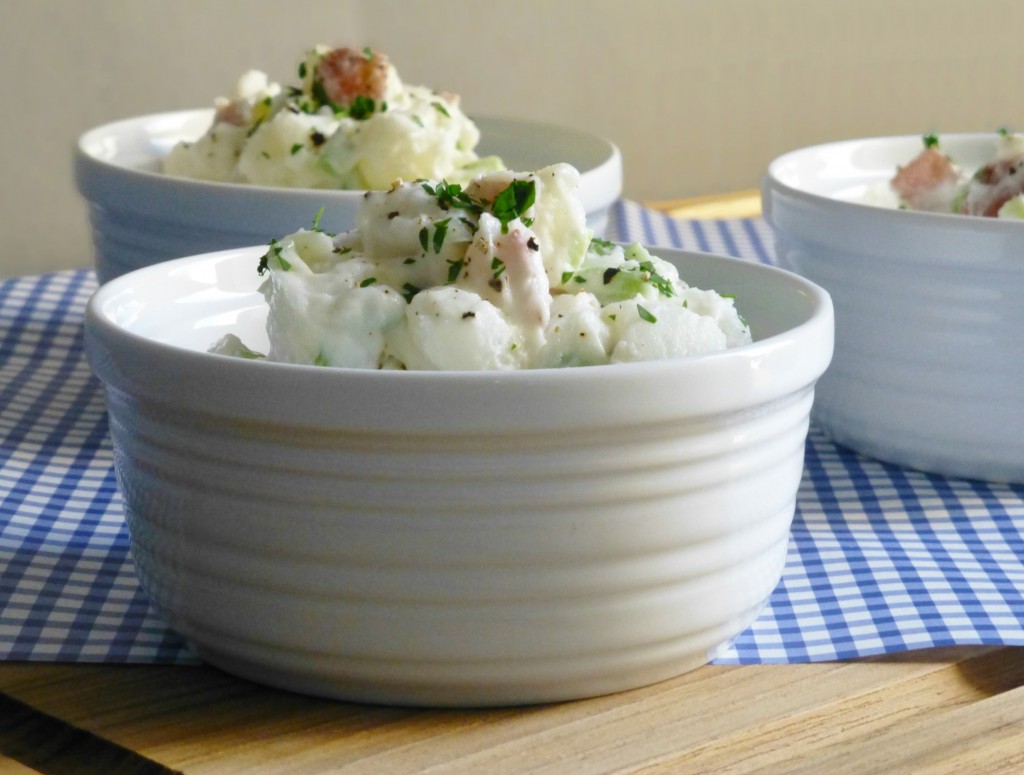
(881, 558)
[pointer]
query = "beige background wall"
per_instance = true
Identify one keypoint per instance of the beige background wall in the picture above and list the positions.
(699, 94)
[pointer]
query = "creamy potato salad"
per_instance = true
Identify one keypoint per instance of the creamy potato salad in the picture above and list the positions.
(933, 182)
(500, 274)
(351, 123)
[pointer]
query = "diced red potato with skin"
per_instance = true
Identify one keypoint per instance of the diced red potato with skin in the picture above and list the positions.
(346, 73)
(1000, 182)
(235, 112)
(520, 288)
(927, 182)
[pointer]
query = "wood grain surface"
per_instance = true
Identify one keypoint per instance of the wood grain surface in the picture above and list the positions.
(955, 710)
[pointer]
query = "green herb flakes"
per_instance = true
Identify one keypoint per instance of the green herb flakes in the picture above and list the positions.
(440, 232)
(514, 201)
(454, 269)
(409, 290)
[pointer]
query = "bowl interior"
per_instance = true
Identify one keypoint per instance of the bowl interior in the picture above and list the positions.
(851, 169)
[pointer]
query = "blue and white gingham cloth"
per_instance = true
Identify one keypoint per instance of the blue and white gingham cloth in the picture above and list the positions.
(882, 559)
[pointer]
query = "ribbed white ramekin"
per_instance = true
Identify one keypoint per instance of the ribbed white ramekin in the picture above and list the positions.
(929, 357)
(454, 538)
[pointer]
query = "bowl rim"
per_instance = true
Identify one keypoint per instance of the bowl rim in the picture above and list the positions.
(605, 178)
(130, 361)
(772, 183)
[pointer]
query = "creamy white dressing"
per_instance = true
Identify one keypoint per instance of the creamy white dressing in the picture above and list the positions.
(504, 274)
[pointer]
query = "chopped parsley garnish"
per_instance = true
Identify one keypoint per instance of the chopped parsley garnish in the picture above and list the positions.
(362, 108)
(601, 246)
(664, 286)
(441, 109)
(275, 251)
(454, 269)
(319, 94)
(514, 201)
(302, 70)
(645, 314)
(566, 277)
(451, 195)
(440, 232)
(368, 282)
(368, 52)
(930, 140)
(320, 359)
(497, 267)
(409, 290)
(409, 261)
(417, 120)
(316, 219)
(296, 148)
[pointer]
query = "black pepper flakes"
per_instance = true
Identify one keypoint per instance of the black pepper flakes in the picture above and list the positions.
(393, 214)
(466, 315)
(609, 274)
(532, 244)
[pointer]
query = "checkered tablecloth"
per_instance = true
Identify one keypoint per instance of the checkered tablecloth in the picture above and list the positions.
(881, 559)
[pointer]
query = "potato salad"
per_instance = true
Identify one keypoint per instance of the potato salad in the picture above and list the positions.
(350, 123)
(934, 182)
(501, 273)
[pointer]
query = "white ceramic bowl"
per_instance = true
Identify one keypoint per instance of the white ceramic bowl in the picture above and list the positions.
(140, 216)
(453, 538)
(929, 358)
